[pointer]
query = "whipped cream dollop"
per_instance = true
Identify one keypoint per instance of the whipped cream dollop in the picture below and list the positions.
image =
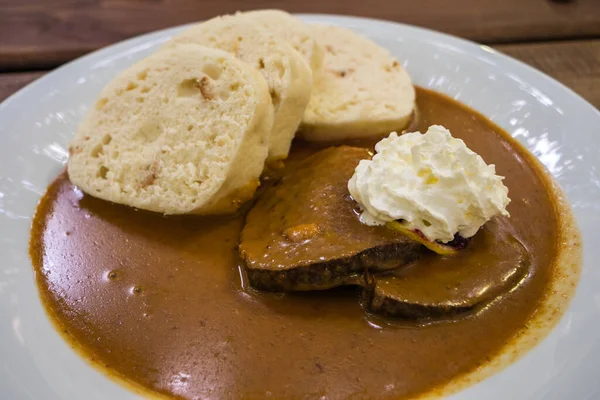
(430, 182)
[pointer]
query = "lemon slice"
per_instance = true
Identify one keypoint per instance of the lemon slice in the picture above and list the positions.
(439, 248)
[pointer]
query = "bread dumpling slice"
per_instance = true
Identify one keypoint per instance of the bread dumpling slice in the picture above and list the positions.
(363, 91)
(291, 29)
(182, 131)
(288, 76)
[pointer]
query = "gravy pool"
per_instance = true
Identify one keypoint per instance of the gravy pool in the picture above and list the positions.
(159, 301)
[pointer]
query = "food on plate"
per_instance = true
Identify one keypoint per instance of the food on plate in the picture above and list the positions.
(303, 233)
(288, 76)
(324, 283)
(363, 92)
(182, 131)
(298, 34)
(105, 271)
(446, 287)
(431, 183)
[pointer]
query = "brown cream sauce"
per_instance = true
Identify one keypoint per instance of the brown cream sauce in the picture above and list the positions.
(159, 300)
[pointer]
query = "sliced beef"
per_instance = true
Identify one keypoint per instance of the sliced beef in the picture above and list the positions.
(443, 287)
(304, 233)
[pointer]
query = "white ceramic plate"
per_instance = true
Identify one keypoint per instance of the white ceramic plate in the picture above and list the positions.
(559, 127)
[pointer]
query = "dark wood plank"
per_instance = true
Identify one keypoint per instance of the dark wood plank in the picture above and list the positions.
(11, 82)
(575, 64)
(46, 33)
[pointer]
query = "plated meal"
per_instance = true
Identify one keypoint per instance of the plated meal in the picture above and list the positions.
(269, 208)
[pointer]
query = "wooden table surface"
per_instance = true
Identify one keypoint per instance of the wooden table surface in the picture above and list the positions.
(561, 38)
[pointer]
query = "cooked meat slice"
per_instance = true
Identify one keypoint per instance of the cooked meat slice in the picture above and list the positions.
(440, 287)
(337, 272)
(304, 232)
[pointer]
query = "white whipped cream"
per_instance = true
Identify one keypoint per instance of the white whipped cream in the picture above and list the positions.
(432, 182)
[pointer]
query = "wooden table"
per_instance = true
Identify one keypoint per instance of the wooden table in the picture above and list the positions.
(561, 38)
